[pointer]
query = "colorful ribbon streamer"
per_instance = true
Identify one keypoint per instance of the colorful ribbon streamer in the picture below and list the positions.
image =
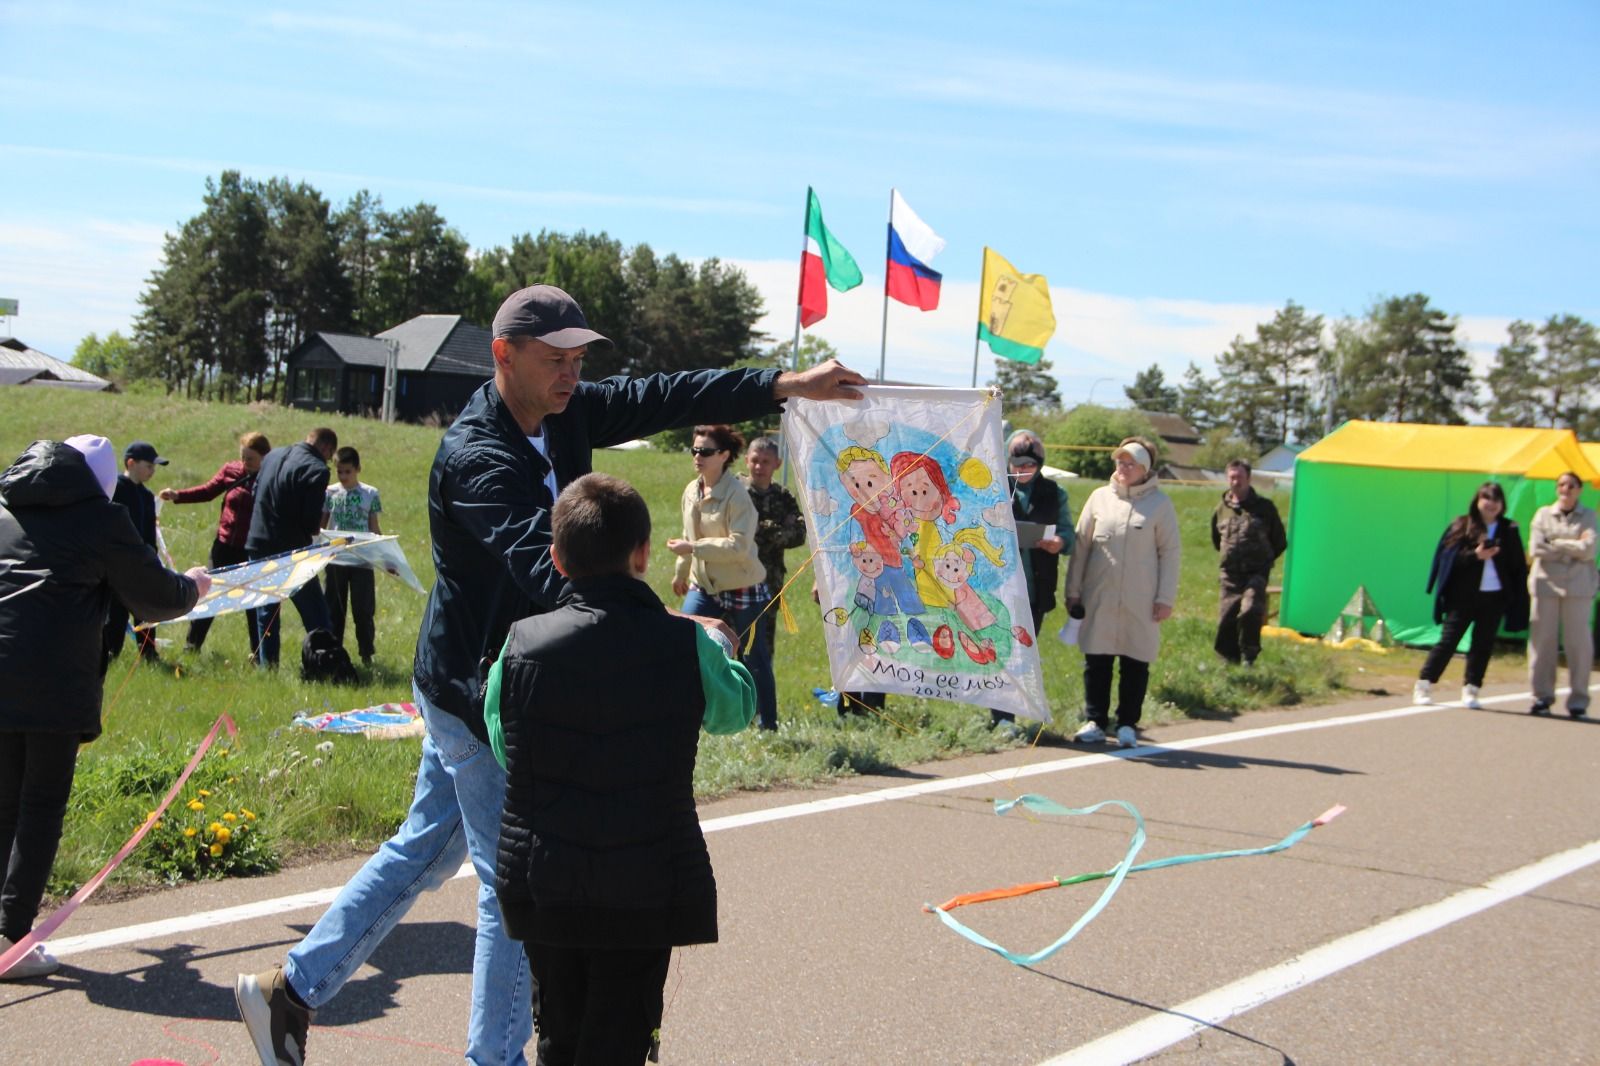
(1117, 874)
(65, 911)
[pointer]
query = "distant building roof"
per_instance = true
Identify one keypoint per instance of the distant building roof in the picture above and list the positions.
(22, 365)
(1280, 459)
(443, 343)
(1173, 429)
(1181, 472)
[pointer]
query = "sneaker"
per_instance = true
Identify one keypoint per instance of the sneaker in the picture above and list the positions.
(1541, 707)
(1126, 737)
(1422, 693)
(917, 634)
(1578, 712)
(277, 1024)
(36, 963)
(1469, 698)
(1089, 733)
(889, 636)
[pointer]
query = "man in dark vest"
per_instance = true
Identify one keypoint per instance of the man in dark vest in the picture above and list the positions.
(1246, 531)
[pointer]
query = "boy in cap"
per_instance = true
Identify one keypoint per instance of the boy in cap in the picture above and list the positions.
(139, 462)
(602, 867)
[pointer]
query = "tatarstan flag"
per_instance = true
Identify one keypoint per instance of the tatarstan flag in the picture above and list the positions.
(825, 262)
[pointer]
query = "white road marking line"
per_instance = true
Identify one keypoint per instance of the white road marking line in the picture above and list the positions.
(168, 927)
(1146, 1038)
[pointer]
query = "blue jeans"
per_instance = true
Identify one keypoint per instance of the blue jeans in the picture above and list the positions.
(455, 812)
(758, 660)
(314, 614)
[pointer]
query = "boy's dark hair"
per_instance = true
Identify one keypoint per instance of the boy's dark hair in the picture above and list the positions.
(598, 523)
(347, 457)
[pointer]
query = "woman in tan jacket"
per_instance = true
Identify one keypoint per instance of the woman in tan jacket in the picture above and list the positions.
(1561, 584)
(719, 573)
(1124, 574)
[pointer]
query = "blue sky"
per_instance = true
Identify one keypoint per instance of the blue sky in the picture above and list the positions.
(1177, 170)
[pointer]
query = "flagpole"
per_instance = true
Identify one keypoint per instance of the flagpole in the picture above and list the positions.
(883, 343)
(794, 351)
(977, 330)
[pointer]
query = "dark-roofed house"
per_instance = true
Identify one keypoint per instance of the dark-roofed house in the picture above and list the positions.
(442, 359)
(22, 365)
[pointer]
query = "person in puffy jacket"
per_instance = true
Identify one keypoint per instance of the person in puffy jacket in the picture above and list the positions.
(1124, 574)
(65, 550)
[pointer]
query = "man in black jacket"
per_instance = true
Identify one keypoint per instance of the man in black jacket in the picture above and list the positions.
(65, 549)
(1248, 534)
(139, 462)
(288, 514)
(520, 439)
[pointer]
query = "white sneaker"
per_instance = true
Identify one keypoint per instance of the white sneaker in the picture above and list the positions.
(1126, 738)
(1422, 693)
(1469, 698)
(36, 963)
(1089, 733)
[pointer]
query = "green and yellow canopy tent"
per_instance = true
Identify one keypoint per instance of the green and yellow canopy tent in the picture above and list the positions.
(1371, 499)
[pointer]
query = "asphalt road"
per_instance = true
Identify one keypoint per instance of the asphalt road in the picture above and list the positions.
(1374, 940)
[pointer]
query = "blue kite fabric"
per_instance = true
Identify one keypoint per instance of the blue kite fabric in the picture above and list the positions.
(383, 721)
(908, 516)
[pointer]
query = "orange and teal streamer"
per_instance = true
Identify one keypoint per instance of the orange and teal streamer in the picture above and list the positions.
(1116, 875)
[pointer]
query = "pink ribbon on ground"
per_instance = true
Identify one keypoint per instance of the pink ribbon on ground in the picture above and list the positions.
(65, 911)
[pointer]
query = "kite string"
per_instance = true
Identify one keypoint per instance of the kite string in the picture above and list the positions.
(1117, 874)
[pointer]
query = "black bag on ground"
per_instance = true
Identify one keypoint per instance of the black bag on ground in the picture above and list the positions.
(323, 658)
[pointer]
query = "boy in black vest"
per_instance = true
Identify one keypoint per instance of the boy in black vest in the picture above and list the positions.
(602, 868)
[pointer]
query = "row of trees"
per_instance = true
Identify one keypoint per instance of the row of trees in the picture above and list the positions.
(1403, 361)
(265, 264)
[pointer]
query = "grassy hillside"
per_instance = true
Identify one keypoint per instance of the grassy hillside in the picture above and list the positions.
(358, 791)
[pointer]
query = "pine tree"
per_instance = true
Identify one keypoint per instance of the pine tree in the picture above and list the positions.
(1150, 391)
(1027, 386)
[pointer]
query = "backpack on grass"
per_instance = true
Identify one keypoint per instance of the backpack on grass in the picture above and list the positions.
(323, 658)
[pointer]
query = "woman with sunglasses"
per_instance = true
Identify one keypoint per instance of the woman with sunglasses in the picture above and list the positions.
(1479, 578)
(719, 573)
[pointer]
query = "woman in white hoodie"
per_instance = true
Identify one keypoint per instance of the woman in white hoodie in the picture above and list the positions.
(1124, 574)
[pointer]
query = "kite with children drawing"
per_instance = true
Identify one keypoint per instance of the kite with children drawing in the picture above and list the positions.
(909, 520)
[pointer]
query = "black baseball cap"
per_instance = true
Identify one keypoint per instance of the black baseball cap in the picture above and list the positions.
(144, 450)
(546, 313)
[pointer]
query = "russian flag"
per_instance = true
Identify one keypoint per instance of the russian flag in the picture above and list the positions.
(912, 244)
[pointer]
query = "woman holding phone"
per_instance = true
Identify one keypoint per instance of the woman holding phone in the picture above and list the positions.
(1478, 579)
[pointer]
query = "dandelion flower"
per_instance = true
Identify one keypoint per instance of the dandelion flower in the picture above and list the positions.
(315, 763)
(216, 851)
(214, 828)
(230, 817)
(190, 831)
(196, 805)
(325, 747)
(248, 815)
(224, 834)
(205, 792)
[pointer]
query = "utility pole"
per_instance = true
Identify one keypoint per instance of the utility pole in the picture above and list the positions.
(391, 374)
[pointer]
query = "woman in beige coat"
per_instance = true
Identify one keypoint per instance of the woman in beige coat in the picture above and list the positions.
(1124, 575)
(1561, 584)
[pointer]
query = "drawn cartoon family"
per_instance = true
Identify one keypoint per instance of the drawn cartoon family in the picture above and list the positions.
(920, 572)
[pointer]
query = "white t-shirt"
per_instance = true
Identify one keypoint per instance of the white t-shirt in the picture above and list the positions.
(543, 449)
(1490, 582)
(349, 509)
